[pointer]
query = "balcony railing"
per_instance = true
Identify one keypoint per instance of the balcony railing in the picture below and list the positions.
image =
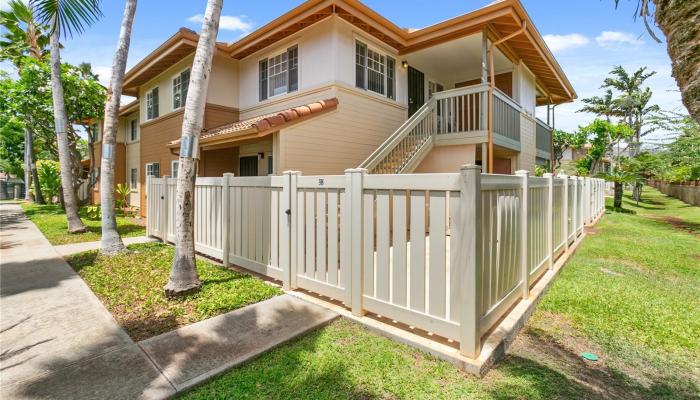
(543, 140)
(455, 116)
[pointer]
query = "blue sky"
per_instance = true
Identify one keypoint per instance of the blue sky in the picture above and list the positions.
(588, 37)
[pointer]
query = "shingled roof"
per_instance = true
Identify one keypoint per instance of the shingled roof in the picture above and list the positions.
(262, 125)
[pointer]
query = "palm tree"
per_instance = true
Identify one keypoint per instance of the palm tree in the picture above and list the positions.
(111, 241)
(23, 36)
(632, 100)
(63, 17)
(619, 177)
(184, 277)
(679, 20)
(603, 107)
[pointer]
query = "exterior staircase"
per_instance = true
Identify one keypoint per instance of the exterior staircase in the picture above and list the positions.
(449, 117)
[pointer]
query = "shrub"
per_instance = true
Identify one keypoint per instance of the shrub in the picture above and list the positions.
(93, 212)
(49, 178)
(121, 196)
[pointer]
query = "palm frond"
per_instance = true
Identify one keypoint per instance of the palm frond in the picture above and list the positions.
(68, 16)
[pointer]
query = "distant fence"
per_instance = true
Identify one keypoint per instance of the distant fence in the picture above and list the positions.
(447, 253)
(688, 192)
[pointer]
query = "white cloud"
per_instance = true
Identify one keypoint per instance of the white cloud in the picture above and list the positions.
(104, 73)
(613, 38)
(563, 42)
(228, 22)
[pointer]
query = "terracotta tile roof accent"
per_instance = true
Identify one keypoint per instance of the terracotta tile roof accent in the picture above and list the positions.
(266, 123)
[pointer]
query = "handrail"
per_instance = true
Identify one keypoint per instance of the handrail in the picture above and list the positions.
(501, 95)
(543, 124)
(383, 150)
(461, 91)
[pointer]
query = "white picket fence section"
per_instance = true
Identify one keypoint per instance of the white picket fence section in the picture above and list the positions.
(446, 253)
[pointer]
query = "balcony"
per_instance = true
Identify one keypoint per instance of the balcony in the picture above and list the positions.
(543, 141)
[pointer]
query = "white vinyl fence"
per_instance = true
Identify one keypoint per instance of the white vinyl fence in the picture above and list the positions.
(446, 253)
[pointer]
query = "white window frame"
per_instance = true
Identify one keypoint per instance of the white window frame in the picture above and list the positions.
(174, 165)
(281, 52)
(149, 169)
(135, 125)
(132, 186)
(149, 105)
(178, 77)
(383, 53)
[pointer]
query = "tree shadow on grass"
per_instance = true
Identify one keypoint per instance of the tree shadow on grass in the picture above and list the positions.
(553, 370)
(620, 210)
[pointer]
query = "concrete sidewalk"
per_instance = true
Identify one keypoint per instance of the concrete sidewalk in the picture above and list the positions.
(58, 341)
(68, 249)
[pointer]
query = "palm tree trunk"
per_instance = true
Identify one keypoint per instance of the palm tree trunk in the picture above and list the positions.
(27, 167)
(34, 174)
(617, 201)
(111, 241)
(75, 225)
(184, 277)
(679, 20)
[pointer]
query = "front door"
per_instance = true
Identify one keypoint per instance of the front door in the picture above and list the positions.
(249, 166)
(416, 90)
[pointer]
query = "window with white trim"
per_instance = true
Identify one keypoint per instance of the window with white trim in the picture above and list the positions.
(180, 84)
(153, 169)
(174, 165)
(279, 74)
(374, 71)
(133, 130)
(134, 179)
(152, 103)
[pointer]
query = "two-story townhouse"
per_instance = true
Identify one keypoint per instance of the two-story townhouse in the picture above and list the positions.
(332, 85)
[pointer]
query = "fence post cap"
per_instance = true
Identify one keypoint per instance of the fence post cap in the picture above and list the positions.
(356, 171)
(469, 167)
(291, 172)
(229, 174)
(548, 175)
(522, 172)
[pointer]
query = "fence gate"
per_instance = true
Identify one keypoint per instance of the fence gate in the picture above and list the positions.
(320, 239)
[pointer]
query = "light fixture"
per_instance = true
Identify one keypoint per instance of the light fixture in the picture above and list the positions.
(404, 64)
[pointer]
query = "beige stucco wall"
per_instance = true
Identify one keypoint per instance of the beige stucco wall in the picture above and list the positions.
(342, 139)
(527, 155)
(447, 158)
(132, 155)
(222, 90)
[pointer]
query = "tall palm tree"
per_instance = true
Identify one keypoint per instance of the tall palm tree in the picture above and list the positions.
(632, 99)
(679, 20)
(63, 17)
(24, 36)
(111, 241)
(603, 107)
(183, 277)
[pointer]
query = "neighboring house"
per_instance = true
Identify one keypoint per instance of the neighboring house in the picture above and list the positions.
(332, 85)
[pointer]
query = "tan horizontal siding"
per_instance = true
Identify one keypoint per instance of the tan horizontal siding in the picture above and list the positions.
(331, 143)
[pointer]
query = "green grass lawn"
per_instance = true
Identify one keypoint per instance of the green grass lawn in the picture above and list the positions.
(130, 285)
(630, 294)
(51, 221)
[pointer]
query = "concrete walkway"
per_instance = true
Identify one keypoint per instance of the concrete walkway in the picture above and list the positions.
(58, 341)
(68, 249)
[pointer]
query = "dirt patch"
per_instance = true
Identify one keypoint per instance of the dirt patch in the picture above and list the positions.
(590, 230)
(680, 225)
(137, 221)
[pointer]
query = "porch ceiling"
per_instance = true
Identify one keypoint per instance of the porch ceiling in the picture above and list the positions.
(455, 61)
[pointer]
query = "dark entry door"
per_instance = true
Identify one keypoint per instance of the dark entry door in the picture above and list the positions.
(249, 166)
(416, 90)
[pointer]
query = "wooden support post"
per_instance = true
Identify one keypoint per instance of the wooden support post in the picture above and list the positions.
(470, 235)
(354, 181)
(225, 217)
(289, 240)
(523, 236)
(163, 209)
(565, 211)
(550, 219)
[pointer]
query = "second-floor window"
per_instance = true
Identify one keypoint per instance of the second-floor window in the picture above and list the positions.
(174, 166)
(133, 130)
(279, 74)
(180, 84)
(374, 71)
(95, 133)
(152, 104)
